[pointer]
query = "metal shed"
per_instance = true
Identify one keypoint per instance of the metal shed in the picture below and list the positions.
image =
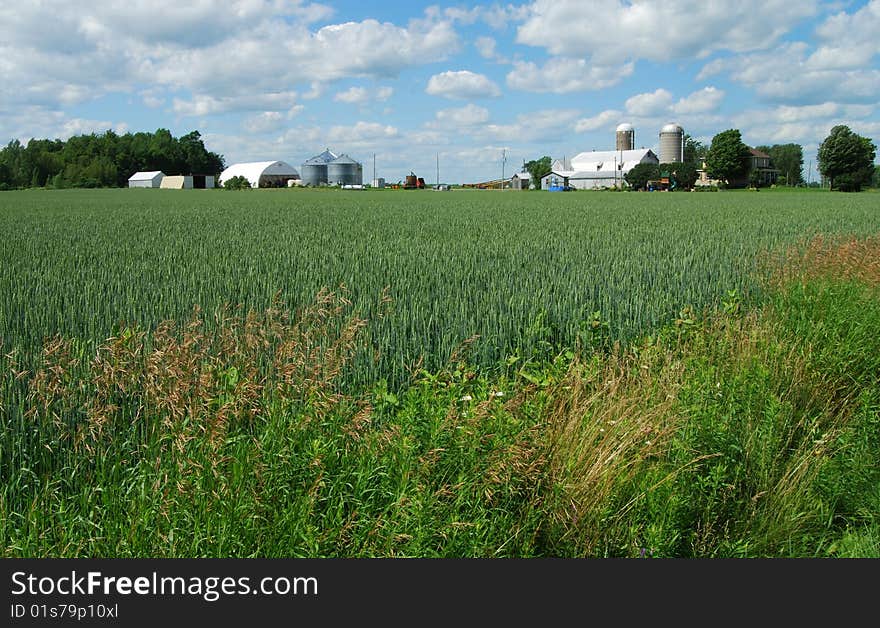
(151, 179)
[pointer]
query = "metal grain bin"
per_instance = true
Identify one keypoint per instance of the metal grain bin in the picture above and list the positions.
(314, 170)
(344, 171)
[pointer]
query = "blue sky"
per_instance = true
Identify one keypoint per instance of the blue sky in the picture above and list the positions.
(465, 83)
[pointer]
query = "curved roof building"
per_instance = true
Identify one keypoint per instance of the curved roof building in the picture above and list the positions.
(261, 173)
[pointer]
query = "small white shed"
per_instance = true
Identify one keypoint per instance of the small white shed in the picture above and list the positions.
(151, 179)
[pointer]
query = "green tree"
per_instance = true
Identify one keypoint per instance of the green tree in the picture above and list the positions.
(789, 160)
(683, 175)
(638, 177)
(694, 150)
(237, 183)
(537, 169)
(198, 159)
(847, 159)
(727, 158)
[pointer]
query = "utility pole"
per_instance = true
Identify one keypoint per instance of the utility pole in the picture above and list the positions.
(503, 161)
(374, 169)
(438, 171)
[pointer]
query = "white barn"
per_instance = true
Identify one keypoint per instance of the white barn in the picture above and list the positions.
(152, 179)
(262, 173)
(597, 169)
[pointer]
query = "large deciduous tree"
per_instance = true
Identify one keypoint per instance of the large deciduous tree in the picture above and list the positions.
(683, 175)
(637, 178)
(727, 158)
(694, 150)
(847, 159)
(538, 168)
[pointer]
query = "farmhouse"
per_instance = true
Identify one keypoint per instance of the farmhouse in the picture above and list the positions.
(762, 168)
(262, 174)
(152, 179)
(597, 169)
(760, 171)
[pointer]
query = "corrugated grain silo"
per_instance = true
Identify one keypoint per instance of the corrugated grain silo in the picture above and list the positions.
(345, 171)
(671, 144)
(314, 170)
(626, 137)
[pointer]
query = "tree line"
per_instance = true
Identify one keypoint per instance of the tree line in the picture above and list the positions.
(103, 160)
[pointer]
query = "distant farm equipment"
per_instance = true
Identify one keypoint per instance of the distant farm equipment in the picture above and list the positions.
(413, 182)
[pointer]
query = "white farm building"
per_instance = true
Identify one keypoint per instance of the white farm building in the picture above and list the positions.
(262, 174)
(151, 179)
(597, 169)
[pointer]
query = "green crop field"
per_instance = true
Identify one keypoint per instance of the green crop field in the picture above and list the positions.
(517, 269)
(634, 374)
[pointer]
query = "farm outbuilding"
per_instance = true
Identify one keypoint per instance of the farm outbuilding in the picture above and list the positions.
(598, 169)
(177, 182)
(520, 181)
(203, 181)
(262, 174)
(151, 179)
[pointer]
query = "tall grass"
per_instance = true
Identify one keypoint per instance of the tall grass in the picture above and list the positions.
(748, 432)
(734, 424)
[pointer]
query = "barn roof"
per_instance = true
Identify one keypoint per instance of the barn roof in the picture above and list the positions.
(607, 160)
(145, 176)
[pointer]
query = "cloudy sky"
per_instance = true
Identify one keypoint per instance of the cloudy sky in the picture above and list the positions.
(460, 84)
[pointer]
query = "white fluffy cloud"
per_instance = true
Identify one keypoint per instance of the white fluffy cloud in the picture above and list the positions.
(808, 124)
(266, 122)
(706, 100)
(659, 30)
(546, 125)
(838, 63)
(462, 84)
(660, 102)
(61, 52)
(486, 47)
(204, 105)
(565, 75)
(363, 95)
(360, 133)
(786, 75)
(466, 116)
(650, 104)
(848, 40)
(603, 120)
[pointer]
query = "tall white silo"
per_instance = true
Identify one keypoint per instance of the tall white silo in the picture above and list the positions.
(626, 137)
(671, 144)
